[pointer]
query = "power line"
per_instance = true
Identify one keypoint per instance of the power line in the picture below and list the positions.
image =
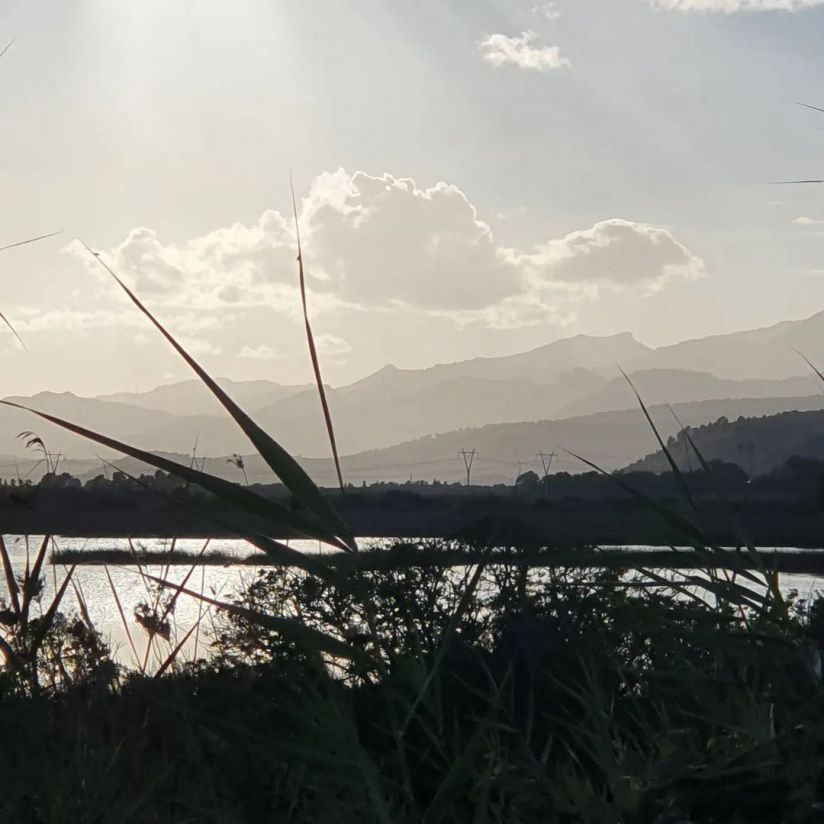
(468, 459)
(546, 461)
(499, 461)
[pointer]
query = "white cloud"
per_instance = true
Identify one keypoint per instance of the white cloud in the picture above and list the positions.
(547, 10)
(808, 221)
(615, 252)
(199, 346)
(262, 353)
(732, 6)
(523, 51)
(234, 266)
(332, 346)
(384, 242)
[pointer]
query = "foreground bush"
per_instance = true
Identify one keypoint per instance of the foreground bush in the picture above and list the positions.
(507, 697)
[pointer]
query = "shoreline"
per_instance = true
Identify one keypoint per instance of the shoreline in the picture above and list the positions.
(795, 560)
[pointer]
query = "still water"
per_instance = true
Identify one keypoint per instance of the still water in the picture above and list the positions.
(219, 582)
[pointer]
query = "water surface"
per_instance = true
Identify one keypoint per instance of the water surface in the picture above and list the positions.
(216, 581)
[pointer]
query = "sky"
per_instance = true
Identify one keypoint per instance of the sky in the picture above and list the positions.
(474, 178)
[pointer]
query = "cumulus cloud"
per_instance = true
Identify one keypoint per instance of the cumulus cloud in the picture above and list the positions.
(732, 6)
(615, 252)
(384, 242)
(808, 221)
(236, 265)
(523, 51)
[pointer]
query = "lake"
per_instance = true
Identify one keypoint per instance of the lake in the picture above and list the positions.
(215, 581)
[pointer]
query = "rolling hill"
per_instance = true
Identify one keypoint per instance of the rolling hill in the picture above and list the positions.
(759, 445)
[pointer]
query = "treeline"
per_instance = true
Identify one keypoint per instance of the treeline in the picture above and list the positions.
(759, 445)
(799, 480)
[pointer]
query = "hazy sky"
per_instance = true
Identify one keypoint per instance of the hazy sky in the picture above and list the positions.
(476, 177)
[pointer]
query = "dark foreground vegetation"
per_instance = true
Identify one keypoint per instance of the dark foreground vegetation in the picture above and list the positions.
(493, 695)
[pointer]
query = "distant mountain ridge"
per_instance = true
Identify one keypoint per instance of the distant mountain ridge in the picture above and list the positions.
(193, 398)
(772, 352)
(569, 378)
(660, 386)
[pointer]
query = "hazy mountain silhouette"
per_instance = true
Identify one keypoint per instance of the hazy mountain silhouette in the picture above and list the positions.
(377, 414)
(767, 353)
(193, 398)
(548, 362)
(119, 420)
(660, 386)
(569, 378)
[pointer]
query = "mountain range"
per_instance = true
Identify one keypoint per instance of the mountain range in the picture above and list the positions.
(612, 440)
(563, 388)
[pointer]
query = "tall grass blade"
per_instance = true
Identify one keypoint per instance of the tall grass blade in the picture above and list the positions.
(175, 652)
(692, 534)
(809, 362)
(369, 774)
(294, 630)
(48, 619)
(13, 331)
(28, 240)
(312, 349)
(200, 608)
(11, 582)
(122, 616)
(276, 551)
(82, 605)
(454, 622)
(32, 579)
(792, 182)
(808, 106)
(752, 552)
(455, 784)
(278, 459)
(679, 477)
(170, 606)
